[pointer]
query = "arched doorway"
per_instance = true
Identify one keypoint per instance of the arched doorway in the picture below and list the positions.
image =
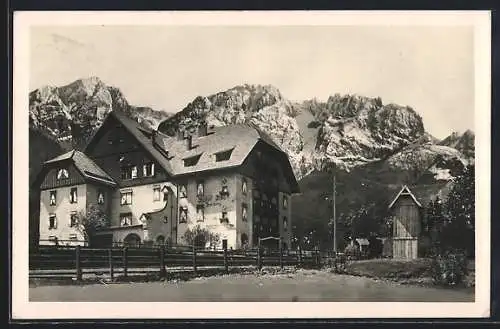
(244, 240)
(160, 240)
(132, 240)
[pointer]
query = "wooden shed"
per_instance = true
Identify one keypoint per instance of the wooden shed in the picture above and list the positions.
(407, 222)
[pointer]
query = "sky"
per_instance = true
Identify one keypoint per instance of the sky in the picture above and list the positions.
(165, 67)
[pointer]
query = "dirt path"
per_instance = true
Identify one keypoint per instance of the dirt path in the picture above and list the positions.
(303, 287)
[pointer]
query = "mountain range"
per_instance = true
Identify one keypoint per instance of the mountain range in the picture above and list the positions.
(373, 147)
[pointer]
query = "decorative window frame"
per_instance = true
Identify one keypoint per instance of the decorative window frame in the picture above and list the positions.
(73, 195)
(156, 193)
(53, 201)
(183, 210)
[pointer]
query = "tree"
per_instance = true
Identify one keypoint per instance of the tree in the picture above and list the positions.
(451, 224)
(200, 236)
(458, 233)
(89, 222)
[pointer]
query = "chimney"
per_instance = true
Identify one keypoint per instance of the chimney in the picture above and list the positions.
(202, 129)
(189, 142)
(180, 135)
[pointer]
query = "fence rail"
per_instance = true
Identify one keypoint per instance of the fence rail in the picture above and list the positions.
(76, 261)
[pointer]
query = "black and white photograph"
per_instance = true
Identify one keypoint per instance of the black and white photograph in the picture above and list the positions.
(274, 159)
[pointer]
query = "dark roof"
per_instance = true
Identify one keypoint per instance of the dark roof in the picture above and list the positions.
(405, 191)
(88, 168)
(137, 131)
(422, 194)
(170, 152)
(239, 139)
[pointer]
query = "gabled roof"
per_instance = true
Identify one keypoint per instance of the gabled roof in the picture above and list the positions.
(404, 191)
(88, 168)
(238, 139)
(137, 131)
(170, 152)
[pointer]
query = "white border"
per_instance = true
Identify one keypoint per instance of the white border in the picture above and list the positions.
(23, 309)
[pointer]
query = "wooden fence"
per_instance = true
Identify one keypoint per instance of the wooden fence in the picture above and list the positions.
(77, 261)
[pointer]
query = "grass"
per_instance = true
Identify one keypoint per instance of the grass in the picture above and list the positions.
(416, 271)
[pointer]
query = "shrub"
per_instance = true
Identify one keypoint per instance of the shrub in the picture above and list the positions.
(449, 268)
(352, 252)
(200, 237)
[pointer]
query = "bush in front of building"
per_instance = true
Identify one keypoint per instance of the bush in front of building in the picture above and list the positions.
(201, 237)
(449, 268)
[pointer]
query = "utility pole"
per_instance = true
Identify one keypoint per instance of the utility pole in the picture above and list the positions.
(334, 212)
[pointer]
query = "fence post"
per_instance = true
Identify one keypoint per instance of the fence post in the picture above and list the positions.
(194, 259)
(78, 264)
(226, 264)
(125, 262)
(163, 270)
(318, 258)
(259, 258)
(300, 257)
(281, 253)
(111, 270)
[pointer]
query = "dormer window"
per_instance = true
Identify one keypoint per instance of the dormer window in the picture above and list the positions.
(223, 156)
(128, 172)
(192, 161)
(62, 174)
(148, 170)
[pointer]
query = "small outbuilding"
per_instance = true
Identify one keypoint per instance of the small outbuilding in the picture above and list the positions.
(407, 221)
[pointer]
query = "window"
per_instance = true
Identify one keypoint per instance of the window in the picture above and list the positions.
(183, 214)
(73, 195)
(126, 219)
(244, 239)
(72, 236)
(156, 193)
(100, 197)
(53, 197)
(62, 174)
(256, 194)
(224, 218)
(285, 202)
(73, 220)
(244, 186)
(223, 156)
(128, 172)
(148, 170)
(165, 219)
(192, 161)
(244, 213)
(183, 191)
(52, 222)
(200, 189)
(285, 223)
(126, 198)
(200, 213)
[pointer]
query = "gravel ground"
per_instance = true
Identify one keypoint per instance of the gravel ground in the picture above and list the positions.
(301, 286)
